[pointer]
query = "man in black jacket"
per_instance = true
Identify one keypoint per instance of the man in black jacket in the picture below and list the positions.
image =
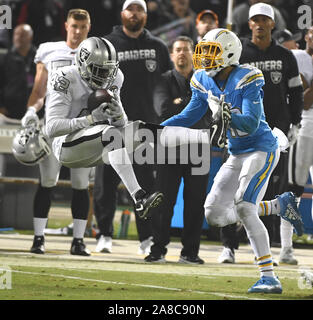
(17, 69)
(283, 99)
(172, 93)
(143, 58)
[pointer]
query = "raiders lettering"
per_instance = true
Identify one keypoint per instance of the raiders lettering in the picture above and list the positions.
(141, 54)
(268, 65)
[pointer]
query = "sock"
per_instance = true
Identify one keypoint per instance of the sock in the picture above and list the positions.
(42, 202)
(286, 232)
(80, 204)
(176, 136)
(39, 226)
(265, 265)
(267, 208)
(258, 237)
(120, 162)
(79, 227)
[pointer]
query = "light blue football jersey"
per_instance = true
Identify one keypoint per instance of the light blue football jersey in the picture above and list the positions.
(248, 130)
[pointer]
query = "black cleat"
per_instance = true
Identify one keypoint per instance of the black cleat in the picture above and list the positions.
(145, 202)
(38, 245)
(78, 248)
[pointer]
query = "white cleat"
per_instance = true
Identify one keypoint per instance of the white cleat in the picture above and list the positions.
(286, 256)
(227, 256)
(104, 244)
(145, 246)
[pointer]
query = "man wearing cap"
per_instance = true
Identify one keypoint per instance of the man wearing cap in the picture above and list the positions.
(287, 39)
(206, 21)
(283, 100)
(301, 153)
(142, 59)
(241, 13)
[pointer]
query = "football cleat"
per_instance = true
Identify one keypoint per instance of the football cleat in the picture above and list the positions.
(78, 248)
(267, 285)
(286, 256)
(145, 202)
(290, 212)
(38, 245)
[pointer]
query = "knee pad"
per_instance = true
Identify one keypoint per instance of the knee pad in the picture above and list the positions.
(112, 139)
(80, 178)
(217, 216)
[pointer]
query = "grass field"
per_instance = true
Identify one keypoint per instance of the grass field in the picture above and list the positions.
(123, 275)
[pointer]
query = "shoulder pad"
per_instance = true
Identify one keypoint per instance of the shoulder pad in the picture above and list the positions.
(250, 75)
(195, 81)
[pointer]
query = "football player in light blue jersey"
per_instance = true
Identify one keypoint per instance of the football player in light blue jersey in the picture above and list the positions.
(222, 84)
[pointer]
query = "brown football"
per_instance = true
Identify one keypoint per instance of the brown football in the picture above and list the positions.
(97, 97)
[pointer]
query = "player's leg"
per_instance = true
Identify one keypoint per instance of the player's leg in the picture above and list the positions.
(256, 170)
(219, 205)
(49, 175)
(80, 208)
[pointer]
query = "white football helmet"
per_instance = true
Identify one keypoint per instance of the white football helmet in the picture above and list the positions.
(97, 62)
(218, 49)
(30, 146)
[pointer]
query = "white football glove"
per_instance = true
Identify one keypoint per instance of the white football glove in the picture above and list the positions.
(100, 114)
(30, 118)
(220, 108)
(293, 133)
(118, 117)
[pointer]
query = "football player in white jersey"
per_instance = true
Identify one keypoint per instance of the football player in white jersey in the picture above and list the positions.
(49, 57)
(301, 153)
(85, 137)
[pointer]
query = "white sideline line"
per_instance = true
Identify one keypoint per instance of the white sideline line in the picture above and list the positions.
(219, 294)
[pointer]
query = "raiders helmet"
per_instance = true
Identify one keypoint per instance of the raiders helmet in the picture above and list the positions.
(218, 49)
(29, 146)
(97, 62)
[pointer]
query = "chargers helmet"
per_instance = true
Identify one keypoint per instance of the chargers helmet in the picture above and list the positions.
(30, 146)
(218, 49)
(97, 62)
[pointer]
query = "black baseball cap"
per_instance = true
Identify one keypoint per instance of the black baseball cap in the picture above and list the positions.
(285, 35)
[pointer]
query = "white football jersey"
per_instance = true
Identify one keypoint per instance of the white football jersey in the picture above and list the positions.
(55, 55)
(67, 95)
(305, 65)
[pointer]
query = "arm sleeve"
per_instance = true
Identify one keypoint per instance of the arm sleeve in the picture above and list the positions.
(191, 114)
(58, 106)
(295, 91)
(252, 106)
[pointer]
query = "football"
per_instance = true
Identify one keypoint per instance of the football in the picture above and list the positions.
(97, 97)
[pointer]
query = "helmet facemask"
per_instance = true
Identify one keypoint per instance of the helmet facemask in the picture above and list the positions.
(97, 62)
(101, 77)
(30, 146)
(220, 48)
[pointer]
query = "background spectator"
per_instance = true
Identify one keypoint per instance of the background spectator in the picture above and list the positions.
(17, 69)
(142, 59)
(172, 93)
(241, 15)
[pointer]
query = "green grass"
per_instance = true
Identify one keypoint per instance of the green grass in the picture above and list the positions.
(37, 283)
